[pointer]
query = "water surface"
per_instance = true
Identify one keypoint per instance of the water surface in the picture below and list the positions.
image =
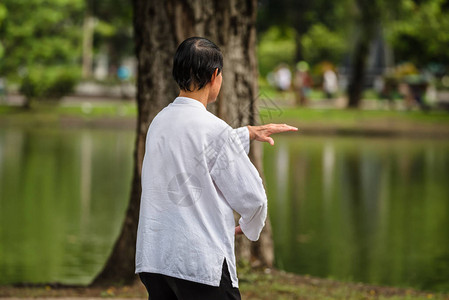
(362, 209)
(63, 196)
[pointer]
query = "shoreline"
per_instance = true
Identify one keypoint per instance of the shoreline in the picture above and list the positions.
(310, 121)
(360, 129)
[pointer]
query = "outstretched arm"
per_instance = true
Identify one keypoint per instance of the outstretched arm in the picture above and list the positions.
(262, 133)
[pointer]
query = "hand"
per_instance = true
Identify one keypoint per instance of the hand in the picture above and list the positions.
(262, 133)
(238, 230)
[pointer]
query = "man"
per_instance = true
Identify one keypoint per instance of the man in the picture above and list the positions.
(195, 172)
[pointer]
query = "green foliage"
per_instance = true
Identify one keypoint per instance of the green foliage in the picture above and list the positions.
(113, 29)
(3, 13)
(49, 33)
(319, 44)
(276, 46)
(49, 83)
(302, 30)
(416, 30)
(301, 15)
(421, 35)
(40, 32)
(105, 29)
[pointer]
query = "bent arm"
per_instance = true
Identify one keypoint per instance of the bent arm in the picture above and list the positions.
(244, 134)
(242, 187)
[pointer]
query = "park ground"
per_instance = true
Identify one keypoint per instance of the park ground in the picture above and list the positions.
(254, 284)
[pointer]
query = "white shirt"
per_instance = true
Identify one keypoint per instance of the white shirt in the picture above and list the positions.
(195, 172)
(330, 81)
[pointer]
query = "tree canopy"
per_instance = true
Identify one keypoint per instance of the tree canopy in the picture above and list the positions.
(37, 32)
(48, 33)
(417, 31)
(421, 35)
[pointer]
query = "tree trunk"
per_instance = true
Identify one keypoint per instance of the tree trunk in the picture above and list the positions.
(160, 26)
(299, 55)
(155, 47)
(356, 85)
(369, 17)
(88, 38)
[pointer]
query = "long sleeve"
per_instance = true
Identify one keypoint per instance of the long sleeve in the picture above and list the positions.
(195, 174)
(243, 134)
(240, 183)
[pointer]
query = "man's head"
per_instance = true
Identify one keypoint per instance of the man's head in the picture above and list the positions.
(197, 63)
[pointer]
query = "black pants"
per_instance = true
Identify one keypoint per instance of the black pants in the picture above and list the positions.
(162, 287)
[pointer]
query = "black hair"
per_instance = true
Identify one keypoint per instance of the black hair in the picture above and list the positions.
(195, 61)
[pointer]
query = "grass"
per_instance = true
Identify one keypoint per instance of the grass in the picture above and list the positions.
(268, 109)
(254, 284)
(281, 285)
(80, 109)
(360, 122)
(121, 114)
(103, 114)
(351, 115)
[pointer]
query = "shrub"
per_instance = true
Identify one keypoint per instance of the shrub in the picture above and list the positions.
(321, 44)
(49, 83)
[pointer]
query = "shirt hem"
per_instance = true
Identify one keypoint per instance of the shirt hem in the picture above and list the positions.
(164, 272)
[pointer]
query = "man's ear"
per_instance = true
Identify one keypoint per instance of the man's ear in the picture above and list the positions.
(214, 75)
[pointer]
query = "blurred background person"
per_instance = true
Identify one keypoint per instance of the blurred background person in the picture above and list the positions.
(302, 83)
(283, 77)
(330, 82)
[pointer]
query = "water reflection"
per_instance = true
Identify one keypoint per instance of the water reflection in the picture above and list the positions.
(86, 175)
(372, 210)
(62, 200)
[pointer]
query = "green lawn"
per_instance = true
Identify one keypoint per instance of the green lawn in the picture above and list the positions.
(268, 110)
(308, 120)
(347, 116)
(81, 109)
(280, 285)
(254, 285)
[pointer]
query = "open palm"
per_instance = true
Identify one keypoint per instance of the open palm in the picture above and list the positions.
(262, 133)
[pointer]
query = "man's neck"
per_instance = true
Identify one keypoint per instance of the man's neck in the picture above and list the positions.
(199, 95)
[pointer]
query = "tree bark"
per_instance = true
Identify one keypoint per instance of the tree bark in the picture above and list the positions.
(356, 85)
(369, 16)
(160, 26)
(88, 38)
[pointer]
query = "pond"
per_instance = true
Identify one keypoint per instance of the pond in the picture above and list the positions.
(361, 209)
(63, 196)
(350, 208)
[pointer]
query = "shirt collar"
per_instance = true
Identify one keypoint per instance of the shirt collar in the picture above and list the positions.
(188, 101)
